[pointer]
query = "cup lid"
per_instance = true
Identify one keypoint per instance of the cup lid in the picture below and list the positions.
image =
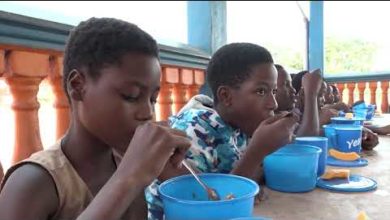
(355, 183)
(311, 138)
(349, 128)
(361, 162)
(347, 119)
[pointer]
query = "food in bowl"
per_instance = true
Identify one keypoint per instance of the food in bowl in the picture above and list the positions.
(229, 196)
(349, 115)
(184, 198)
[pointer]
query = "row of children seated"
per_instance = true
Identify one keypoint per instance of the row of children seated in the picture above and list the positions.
(114, 152)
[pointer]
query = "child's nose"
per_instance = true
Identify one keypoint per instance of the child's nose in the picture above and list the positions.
(145, 112)
(272, 104)
(292, 90)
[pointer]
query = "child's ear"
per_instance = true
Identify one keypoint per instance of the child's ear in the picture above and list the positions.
(224, 95)
(76, 85)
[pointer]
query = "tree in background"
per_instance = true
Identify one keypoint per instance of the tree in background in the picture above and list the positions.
(341, 56)
(349, 55)
(290, 58)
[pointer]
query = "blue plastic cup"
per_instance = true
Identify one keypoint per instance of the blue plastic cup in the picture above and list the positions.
(321, 142)
(370, 111)
(360, 105)
(184, 198)
(349, 138)
(361, 113)
(344, 137)
(292, 168)
(330, 133)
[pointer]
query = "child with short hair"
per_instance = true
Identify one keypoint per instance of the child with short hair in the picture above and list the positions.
(329, 95)
(286, 98)
(234, 131)
(336, 93)
(332, 99)
(326, 112)
(112, 79)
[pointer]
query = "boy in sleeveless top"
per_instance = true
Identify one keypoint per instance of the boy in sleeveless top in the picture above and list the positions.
(112, 79)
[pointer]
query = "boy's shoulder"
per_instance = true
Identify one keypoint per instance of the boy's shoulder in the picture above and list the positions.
(51, 158)
(198, 112)
(28, 184)
(52, 169)
(51, 161)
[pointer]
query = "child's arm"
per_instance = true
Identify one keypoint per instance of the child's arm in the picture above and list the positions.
(151, 148)
(30, 192)
(311, 83)
(271, 134)
(326, 114)
(340, 106)
(381, 130)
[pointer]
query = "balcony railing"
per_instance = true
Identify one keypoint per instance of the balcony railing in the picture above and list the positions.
(371, 88)
(31, 50)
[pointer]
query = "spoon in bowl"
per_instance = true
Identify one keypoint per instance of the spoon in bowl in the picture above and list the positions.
(211, 193)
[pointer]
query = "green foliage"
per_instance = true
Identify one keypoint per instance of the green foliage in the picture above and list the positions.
(349, 55)
(291, 59)
(341, 56)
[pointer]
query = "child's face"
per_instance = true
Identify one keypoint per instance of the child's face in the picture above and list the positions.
(285, 95)
(321, 95)
(329, 97)
(254, 100)
(120, 99)
(336, 94)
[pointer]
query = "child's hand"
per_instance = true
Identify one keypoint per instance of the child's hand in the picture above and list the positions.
(369, 140)
(276, 131)
(342, 107)
(326, 114)
(311, 82)
(152, 147)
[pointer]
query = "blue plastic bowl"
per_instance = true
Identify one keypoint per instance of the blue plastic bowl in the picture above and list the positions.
(183, 197)
(292, 168)
(321, 142)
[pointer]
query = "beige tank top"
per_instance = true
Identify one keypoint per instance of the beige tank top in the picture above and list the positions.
(73, 194)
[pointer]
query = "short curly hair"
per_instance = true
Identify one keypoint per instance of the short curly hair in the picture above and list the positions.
(100, 41)
(232, 64)
(297, 80)
(279, 67)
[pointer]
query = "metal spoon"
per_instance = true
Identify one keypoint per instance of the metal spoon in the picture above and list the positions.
(211, 193)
